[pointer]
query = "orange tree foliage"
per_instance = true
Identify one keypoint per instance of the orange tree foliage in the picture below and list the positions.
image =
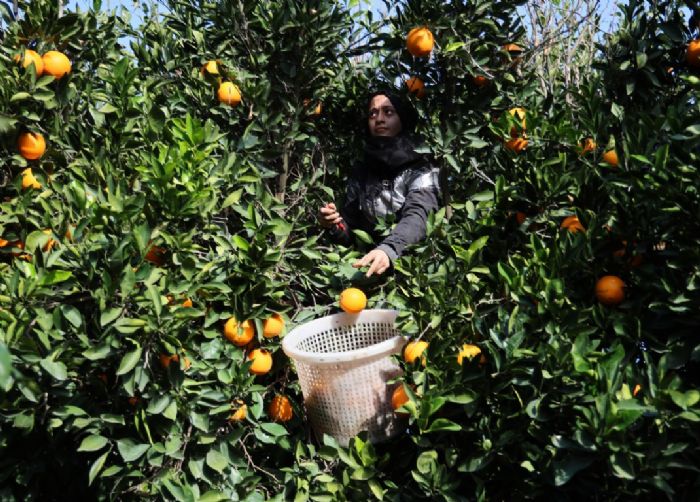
(570, 396)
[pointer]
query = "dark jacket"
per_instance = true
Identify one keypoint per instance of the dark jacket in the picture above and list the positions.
(409, 192)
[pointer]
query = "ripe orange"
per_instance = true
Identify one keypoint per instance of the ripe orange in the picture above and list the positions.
(587, 145)
(229, 94)
(513, 48)
(416, 86)
(166, 359)
(210, 68)
(414, 350)
(610, 157)
(187, 303)
(516, 145)
(469, 351)
(480, 81)
(420, 41)
(31, 145)
(156, 255)
(31, 57)
(610, 290)
(518, 113)
(280, 409)
(56, 64)
(353, 300)
(692, 55)
(572, 224)
(273, 326)
(240, 338)
(262, 361)
(398, 398)
(241, 411)
(637, 389)
(28, 179)
(50, 243)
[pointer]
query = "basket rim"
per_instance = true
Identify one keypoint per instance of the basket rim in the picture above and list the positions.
(298, 334)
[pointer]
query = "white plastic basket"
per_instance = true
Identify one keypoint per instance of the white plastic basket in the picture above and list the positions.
(343, 362)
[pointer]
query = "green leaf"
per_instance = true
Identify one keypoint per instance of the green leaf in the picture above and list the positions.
(216, 461)
(96, 467)
(5, 367)
(6, 124)
(273, 429)
(130, 450)
(129, 361)
(93, 443)
(72, 314)
(685, 399)
(622, 466)
(443, 424)
(54, 277)
(565, 469)
(56, 369)
(109, 315)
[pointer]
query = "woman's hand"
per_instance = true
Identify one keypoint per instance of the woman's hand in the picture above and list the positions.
(328, 216)
(377, 260)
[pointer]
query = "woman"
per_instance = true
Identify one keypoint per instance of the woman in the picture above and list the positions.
(392, 180)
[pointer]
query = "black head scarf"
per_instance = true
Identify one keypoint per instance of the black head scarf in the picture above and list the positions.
(391, 155)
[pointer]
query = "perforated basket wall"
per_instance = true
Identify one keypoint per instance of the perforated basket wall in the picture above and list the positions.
(343, 362)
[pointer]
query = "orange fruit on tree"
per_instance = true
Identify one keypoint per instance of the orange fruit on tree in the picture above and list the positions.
(516, 145)
(519, 113)
(414, 350)
(416, 86)
(480, 81)
(520, 217)
(610, 158)
(229, 93)
(210, 68)
(280, 409)
(50, 243)
(420, 41)
(512, 48)
(262, 361)
(187, 303)
(636, 390)
(692, 53)
(572, 224)
(166, 359)
(56, 63)
(31, 57)
(155, 255)
(239, 334)
(398, 398)
(353, 300)
(31, 145)
(28, 179)
(610, 290)
(469, 351)
(273, 326)
(241, 411)
(587, 145)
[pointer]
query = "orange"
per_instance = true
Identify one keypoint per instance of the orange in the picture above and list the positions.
(166, 359)
(414, 350)
(572, 224)
(470, 352)
(610, 157)
(210, 68)
(416, 86)
(31, 57)
(229, 94)
(262, 361)
(637, 389)
(156, 255)
(587, 145)
(610, 290)
(56, 64)
(239, 337)
(480, 81)
(420, 41)
(520, 217)
(31, 145)
(692, 54)
(398, 398)
(280, 409)
(240, 413)
(187, 303)
(513, 48)
(352, 300)
(273, 326)
(50, 243)
(516, 145)
(133, 401)
(28, 180)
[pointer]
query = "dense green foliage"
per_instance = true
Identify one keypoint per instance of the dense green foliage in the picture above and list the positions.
(574, 399)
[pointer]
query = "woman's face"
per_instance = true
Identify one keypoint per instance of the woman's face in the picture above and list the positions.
(383, 119)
